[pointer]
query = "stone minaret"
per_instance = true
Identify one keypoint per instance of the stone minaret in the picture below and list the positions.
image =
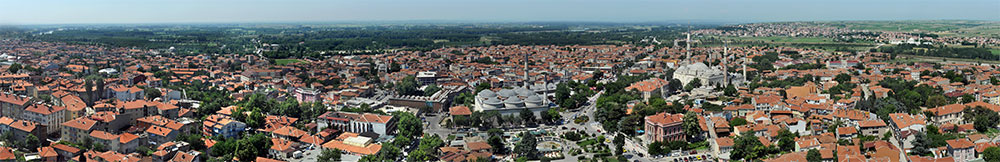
(688, 49)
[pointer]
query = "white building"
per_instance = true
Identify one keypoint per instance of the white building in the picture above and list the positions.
(358, 123)
(708, 76)
(46, 115)
(510, 101)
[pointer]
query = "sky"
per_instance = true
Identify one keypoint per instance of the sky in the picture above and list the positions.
(279, 11)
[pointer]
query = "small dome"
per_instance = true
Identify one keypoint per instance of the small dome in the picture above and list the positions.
(533, 98)
(493, 101)
(513, 100)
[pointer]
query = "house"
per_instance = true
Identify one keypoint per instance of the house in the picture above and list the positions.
(354, 144)
(21, 129)
(7, 155)
(305, 95)
(13, 105)
(650, 87)
(74, 129)
(125, 93)
(49, 116)
(961, 149)
(724, 145)
(872, 127)
(220, 125)
(847, 132)
(282, 148)
(906, 125)
(127, 143)
(948, 114)
(160, 134)
(66, 152)
(190, 156)
(664, 127)
(110, 141)
(48, 154)
(358, 122)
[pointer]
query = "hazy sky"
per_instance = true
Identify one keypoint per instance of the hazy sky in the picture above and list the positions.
(228, 11)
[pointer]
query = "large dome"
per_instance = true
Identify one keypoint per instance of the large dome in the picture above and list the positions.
(486, 93)
(507, 93)
(493, 101)
(533, 101)
(513, 102)
(524, 92)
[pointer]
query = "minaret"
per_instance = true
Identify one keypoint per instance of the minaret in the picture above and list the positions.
(725, 66)
(526, 70)
(688, 49)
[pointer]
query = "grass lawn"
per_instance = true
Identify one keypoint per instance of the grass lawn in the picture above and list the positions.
(287, 61)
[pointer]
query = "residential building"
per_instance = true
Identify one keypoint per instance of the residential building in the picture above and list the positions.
(358, 122)
(664, 127)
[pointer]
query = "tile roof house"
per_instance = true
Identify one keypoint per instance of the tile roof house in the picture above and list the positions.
(664, 127)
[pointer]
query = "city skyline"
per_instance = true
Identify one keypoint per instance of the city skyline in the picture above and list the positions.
(267, 11)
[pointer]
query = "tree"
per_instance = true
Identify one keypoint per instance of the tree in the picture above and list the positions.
(748, 147)
(527, 146)
(814, 156)
(528, 116)
(655, 148)
(619, 142)
(551, 115)
(674, 85)
(786, 140)
(992, 154)
(842, 78)
(407, 86)
(431, 89)
(983, 119)
(408, 124)
(737, 122)
(496, 141)
(14, 68)
(427, 149)
(31, 142)
(152, 93)
(968, 98)
(691, 125)
(921, 144)
(694, 83)
(730, 90)
(936, 100)
(329, 155)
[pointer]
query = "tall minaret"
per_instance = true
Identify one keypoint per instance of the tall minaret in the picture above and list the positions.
(725, 60)
(526, 55)
(688, 49)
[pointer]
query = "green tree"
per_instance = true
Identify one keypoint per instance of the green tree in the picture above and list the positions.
(786, 140)
(527, 146)
(991, 154)
(691, 125)
(528, 116)
(814, 156)
(14, 68)
(431, 89)
(694, 83)
(921, 144)
(31, 142)
(329, 155)
(736, 121)
(936, 100)
(496, 141)
(407, 124)
(747, 147)
(407, 86)
(730, 90)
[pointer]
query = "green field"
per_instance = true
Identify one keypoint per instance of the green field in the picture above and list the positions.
(287, 61)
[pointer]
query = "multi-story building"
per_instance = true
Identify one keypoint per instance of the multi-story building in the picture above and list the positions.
(74, 129)
(49, 116)
(872, 127)
(649, 88)
(961, 149)
(510, 101)
(125, 93)
(109, 140)
(665, 127)
(13, 105)
(359, 123)
(220, 125)
(947, 114)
